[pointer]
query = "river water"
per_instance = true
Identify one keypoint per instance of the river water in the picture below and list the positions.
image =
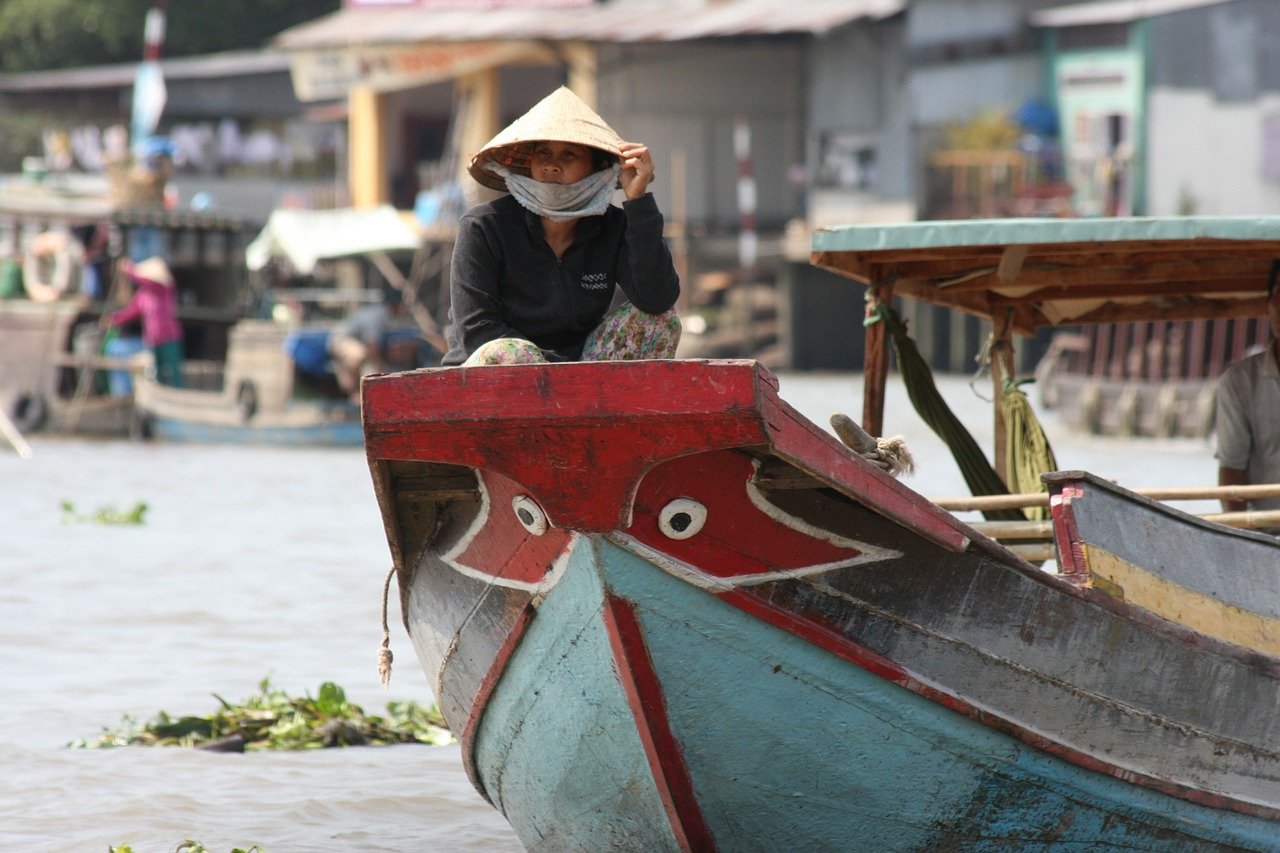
(259, 563)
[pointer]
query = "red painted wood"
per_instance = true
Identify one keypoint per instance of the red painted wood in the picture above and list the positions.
(827, 638)
(467, 739)
(817, 452)
(577, 436)
(738, 539)
(1139, 352)
(504, 548)
(1196, 349)
(665, 755)
(1071, 561)
(875, 359)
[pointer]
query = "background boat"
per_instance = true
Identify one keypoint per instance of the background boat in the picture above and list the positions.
(311, 268)
(51, 346)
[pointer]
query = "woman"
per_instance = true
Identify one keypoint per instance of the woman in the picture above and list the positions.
(535, 272)
(155, 303)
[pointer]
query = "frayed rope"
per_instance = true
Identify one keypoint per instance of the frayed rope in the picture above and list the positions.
(384, 651)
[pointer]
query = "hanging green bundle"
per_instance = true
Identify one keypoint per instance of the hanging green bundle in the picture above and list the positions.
(978, 474)
(1027, 450)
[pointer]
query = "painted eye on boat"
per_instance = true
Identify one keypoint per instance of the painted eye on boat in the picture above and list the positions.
(682, 518)
(530, 515)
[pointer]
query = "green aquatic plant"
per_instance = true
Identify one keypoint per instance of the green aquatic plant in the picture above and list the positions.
(271, 719)
(105, 514)
(190, 846)
(187, 846)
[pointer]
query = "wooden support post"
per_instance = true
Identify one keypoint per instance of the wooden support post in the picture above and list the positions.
(1001, 368)
(875, 366)
(583, 71)
(478, 96)
(367, 157)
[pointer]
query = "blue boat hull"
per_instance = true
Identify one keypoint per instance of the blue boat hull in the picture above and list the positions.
(789, 748)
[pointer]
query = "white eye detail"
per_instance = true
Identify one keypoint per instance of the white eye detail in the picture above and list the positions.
(682, 518)
(530, 515)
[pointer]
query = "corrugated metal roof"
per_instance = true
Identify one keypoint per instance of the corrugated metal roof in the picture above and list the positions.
(1113, 11)
(214, 65)
(616, 21)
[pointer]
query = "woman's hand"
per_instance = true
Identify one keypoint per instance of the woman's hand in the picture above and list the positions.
(637, 169)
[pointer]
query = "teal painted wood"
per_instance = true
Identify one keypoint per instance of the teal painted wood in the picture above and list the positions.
(821, 754)
(1031, 232)
(557, 749)
(788, 746)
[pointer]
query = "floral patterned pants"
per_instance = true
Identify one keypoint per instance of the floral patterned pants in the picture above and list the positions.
(625, 334)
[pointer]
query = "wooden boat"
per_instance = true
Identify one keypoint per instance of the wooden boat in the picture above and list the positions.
(250, 398)
(662, 609)
(50, 347)
(258, 394)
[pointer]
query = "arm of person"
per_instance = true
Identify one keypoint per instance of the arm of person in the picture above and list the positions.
(130, 312)
(648, 275)
(475, 307)
(1233, 477)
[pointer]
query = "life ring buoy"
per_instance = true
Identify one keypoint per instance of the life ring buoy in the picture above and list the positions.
(52, 266)
(30, 412)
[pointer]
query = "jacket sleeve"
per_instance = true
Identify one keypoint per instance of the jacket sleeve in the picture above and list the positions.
(130, 312)
(475, 306)
(646, 272)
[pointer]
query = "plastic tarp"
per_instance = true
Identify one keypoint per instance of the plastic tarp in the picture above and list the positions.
(304, 237)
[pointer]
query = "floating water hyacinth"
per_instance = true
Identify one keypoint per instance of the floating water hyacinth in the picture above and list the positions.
(271, 719)
(187, 846)
(105, 514)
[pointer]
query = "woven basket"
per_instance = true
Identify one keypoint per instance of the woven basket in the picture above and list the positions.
(133, 187)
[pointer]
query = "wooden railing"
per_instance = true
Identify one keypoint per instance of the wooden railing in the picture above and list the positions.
(1033, 540)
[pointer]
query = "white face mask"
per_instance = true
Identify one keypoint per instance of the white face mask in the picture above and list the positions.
(559, 202)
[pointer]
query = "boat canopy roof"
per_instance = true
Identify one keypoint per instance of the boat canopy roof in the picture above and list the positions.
(1065, 272)
(305, 237)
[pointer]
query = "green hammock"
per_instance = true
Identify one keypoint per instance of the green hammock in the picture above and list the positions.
(1027, 450)
(978, 474)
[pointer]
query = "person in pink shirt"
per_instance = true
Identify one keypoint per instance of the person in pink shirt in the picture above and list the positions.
(155, 304)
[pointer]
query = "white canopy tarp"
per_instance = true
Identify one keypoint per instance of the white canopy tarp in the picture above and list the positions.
(304, 237)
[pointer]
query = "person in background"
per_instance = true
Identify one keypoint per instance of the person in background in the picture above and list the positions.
(375, 339)
(1248, 416)
(535, 272)
(155, 304)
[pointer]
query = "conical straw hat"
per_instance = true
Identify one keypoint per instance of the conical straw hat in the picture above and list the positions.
(559, 117)
(153, 269)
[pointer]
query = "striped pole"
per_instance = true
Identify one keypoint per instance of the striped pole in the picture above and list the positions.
(153, 32)
(747, 244)
(149, 93)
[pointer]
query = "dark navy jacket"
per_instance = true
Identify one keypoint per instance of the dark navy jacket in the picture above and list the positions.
(506, 281)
